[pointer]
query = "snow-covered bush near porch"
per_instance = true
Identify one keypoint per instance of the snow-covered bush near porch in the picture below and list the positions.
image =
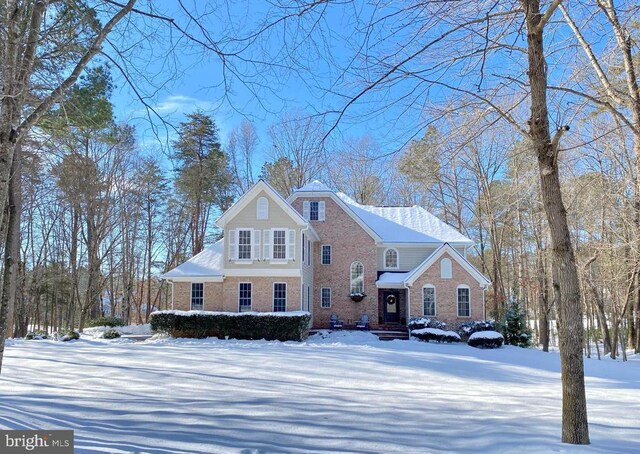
(486, 339)
(426, 322)
(283, 326)
(467, 329)
(436, 334)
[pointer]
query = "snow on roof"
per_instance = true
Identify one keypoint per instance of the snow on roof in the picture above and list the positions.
(405, 224)
(209, 262)
(392, 279)
(314, 186)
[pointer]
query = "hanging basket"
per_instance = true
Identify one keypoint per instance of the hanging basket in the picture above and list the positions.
(357, 297)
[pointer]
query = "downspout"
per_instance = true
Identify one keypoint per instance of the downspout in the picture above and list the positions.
(171, 282)
(408, 288)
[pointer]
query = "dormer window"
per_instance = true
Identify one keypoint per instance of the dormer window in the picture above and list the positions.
(262, 209)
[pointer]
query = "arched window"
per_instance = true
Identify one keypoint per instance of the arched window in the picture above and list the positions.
(464, 301)
(357, 278)
(263, 208)
(391, 258)
(429, 300)
(445, 268)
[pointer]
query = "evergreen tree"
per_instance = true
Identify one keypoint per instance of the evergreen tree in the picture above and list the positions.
(514, 327)
(203, 177)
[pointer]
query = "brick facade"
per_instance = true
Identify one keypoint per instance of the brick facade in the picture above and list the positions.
(446, 293)
(349, 243)
(212, 296)
(261, 293)
(223, 296)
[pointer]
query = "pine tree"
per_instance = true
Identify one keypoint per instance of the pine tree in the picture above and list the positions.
(514, 327)
(203, 177)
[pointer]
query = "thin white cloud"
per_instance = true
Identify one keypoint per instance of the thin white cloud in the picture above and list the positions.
(179, 104)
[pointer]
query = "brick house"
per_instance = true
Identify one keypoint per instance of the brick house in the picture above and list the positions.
(321, 252)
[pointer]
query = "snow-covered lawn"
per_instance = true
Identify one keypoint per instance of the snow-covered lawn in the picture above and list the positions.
(346, 392)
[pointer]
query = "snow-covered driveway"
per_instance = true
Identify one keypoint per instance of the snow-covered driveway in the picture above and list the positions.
(345, 393)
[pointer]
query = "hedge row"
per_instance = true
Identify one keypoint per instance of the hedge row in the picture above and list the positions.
(249, 325)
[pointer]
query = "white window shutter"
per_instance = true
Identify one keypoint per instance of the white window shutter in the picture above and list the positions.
(321, 210)
(305, 210)
(255, 254)
(266, 244)
(291, 249)
(233, 247)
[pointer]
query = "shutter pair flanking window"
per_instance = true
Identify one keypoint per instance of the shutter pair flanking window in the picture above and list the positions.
(244, 244)
(277, 244)
(313, 210)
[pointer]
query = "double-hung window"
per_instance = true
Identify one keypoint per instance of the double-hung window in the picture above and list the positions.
(279, 245)
(244, 297)
(279, 297)
(326, 254)
(325, 297)
(197, 296)
(244, 244)
(464, 302)
(314, 210)
(429, 300)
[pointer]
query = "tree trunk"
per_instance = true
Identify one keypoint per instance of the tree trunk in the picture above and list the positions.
(570, 330)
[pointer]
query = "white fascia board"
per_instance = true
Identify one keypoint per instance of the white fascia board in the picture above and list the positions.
(248, 196)
(390, 285)
(429, 261)
(263, 272)
(195, 279)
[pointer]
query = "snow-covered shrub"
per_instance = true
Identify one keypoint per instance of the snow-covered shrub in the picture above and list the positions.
(66, 336)
(486, 339)
(468, 328)
(425, 322)
(514, 328)
(435, 334)
(281, 326)
(37, 335)
(111, 334)
(105, 321)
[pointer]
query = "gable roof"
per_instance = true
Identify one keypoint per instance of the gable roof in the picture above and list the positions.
(446, 248)
(208, 263)
(248, 196)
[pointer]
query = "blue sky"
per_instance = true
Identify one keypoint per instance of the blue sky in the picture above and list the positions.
(298, 74)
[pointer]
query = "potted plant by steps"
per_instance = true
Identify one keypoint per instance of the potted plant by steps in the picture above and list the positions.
(357, 296)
